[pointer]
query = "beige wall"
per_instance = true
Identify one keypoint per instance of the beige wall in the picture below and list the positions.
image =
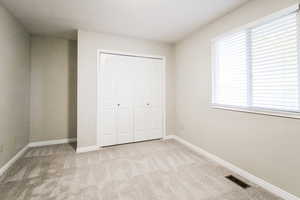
(14, 86)
(53, 88)
(268, 147)
(88, 44)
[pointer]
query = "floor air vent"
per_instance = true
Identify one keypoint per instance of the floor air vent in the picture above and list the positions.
(238, 182)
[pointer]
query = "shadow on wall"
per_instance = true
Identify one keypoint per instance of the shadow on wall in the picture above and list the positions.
(72, 85)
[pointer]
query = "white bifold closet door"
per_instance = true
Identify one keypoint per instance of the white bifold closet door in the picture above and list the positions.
(131, 99)
(148, 99)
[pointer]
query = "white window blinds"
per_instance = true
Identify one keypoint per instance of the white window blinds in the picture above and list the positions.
(258, 67)
(275, 69)
(231, 71)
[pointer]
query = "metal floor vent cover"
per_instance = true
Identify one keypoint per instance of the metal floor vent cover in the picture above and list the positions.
(238, 182)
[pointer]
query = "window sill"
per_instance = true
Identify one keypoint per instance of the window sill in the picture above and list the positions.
(260, 112)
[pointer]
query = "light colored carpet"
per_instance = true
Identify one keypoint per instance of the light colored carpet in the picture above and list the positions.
(154, 170)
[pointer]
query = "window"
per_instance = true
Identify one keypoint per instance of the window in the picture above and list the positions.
(257, 68)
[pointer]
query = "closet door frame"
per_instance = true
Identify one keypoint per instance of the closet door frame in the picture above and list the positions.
(99, 96)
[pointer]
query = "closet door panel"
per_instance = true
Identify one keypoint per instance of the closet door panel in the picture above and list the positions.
(140, 96)
(108, 81)
(124, 125)
(107, 91)
(141, 91)
(154, 100)
(155, 83)
(109, 136)
(124, 82)
(155, 123)
(148, 99)
(124, 99)
(140, 124)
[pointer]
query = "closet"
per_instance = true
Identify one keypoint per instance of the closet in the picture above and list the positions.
(130, 99)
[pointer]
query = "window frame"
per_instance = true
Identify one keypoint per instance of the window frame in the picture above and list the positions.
(251, 109)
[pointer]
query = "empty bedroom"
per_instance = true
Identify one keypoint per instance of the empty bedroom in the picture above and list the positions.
(150, 100)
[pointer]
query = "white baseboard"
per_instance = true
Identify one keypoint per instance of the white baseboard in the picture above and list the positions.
(34, 144)
(13, 160)
(51, 142)
(262, 183)
(167, 137)
(86, 149)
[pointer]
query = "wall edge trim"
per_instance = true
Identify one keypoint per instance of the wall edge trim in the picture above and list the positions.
(52, 142)
(9, 163)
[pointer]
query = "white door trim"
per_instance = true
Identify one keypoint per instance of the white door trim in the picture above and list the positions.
(99, 70)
